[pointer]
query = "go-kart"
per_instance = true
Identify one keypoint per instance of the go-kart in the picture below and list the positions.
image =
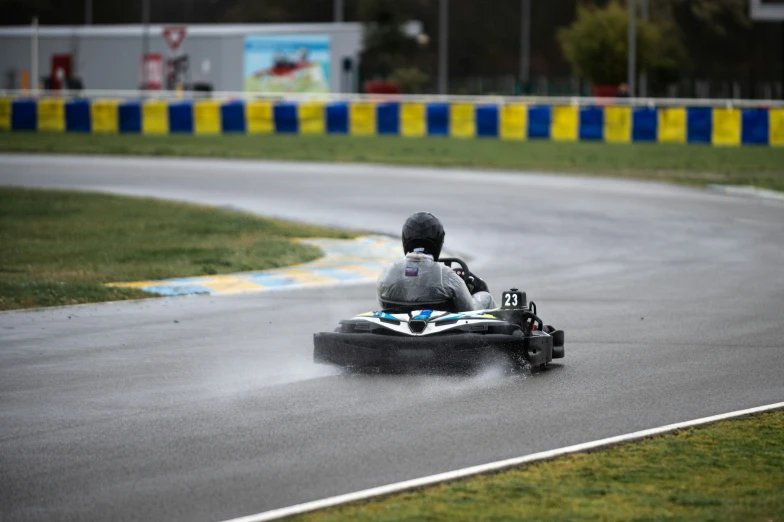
(434, 334)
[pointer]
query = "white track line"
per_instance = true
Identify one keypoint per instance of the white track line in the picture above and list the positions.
(298, 509)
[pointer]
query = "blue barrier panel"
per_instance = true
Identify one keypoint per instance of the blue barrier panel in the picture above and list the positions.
(755, 127)
(487, 121)
(181, 117)
(539, 117)
(437, 118)
(591, 124)
(699, 122)
(24, 115)
(645, 124)
(77, 116)
(337, 118)
(388, 118)
(129, 115)
(285, 116)
(233, 116)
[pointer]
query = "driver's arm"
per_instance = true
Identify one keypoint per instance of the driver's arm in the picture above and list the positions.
(463, 300)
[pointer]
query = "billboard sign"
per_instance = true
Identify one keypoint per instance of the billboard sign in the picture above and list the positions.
(287, 63)
(767, 10)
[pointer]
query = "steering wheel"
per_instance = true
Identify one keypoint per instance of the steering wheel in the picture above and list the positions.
(462, 271)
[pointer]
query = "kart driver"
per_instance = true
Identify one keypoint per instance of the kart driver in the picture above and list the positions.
(420, 278)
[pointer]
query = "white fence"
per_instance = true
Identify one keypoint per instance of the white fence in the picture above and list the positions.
(415, 98)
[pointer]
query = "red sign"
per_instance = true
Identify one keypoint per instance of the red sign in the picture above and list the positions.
(174, 36)
(152, 65)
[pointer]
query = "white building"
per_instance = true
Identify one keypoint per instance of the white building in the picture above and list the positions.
(222, 56)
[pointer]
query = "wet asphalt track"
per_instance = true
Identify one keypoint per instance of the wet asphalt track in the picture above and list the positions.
(205, 408)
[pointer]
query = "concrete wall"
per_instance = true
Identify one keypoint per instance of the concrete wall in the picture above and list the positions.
(107, 57)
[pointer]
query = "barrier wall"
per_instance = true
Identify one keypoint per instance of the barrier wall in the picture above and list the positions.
(613, 124)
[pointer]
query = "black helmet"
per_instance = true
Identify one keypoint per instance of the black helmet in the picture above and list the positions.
(423, 230)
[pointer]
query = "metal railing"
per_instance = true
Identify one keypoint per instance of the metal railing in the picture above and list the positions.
(378, 98)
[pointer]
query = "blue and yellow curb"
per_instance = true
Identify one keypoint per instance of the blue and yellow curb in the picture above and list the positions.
(357, 260)
(509, 120)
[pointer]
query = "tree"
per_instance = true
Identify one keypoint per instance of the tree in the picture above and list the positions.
(385, 48)
(409, 79)
(596, 44)
(718, 34)
(718, 17)
(278, 11)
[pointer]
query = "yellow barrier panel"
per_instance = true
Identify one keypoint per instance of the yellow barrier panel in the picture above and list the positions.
(776, 124)
(5, 114)
(565, 124)
(618, 124)
(207, 117)
(412, 120)
(155, 117)
(51, 115)
(514, 122)
(672, 125)
(362, 119)
(726, 127)
(259, 118)
(104, 116)
(462, 120)
(312, 118)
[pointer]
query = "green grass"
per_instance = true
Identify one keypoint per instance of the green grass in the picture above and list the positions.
(59, 248)
(686, 164)
(732, 470)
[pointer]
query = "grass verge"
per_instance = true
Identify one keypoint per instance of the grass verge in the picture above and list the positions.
(685, 164)
(733, 470)
(59, 248)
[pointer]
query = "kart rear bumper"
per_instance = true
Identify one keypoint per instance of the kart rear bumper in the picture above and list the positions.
(369, 350)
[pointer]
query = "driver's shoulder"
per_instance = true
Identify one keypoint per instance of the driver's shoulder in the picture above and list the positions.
(450, 278)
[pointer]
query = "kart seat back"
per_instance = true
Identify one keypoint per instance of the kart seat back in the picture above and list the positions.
(447, 305)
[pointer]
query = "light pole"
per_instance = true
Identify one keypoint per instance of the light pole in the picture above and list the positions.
(525, 41)
(145, 40)
(632, 72)
(88, 12)
(34, 57)
(338, 11)
(443, 46)
(644, 74)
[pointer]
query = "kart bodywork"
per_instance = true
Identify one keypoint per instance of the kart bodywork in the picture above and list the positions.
(416, 335)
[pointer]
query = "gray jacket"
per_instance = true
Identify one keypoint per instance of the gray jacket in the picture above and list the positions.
(417, 278)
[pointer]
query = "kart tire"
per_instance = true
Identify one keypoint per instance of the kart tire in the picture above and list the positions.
(558, 343)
